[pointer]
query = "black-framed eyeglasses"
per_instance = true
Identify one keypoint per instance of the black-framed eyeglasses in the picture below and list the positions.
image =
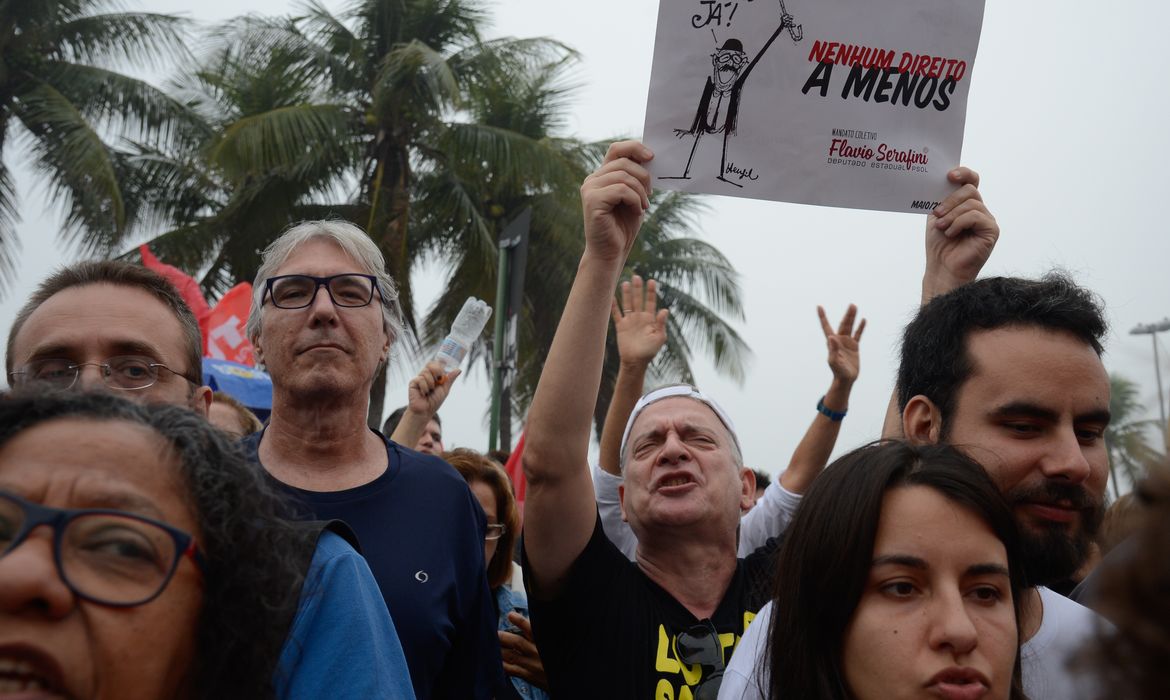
(108, 557)
(350, 290)
(701, 645)
(124, 372)
(495, 531)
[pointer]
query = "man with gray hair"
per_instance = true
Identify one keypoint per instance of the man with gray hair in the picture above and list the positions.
(420, 528)
(663, 625)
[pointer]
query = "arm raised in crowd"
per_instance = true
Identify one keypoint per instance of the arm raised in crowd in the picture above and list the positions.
(812, 454)
(425, 396)
(640, 328)
(560, 512)
(960, 235)
(775, 509)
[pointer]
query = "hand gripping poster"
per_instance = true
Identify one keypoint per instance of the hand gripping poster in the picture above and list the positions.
(844, 103)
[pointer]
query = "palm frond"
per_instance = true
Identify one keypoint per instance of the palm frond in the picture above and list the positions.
(280, 139)
(79, 167)
(138, 38)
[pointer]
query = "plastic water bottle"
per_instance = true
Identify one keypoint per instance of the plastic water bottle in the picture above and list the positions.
(468, 325)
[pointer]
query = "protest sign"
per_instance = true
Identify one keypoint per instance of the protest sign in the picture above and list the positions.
(846, 103)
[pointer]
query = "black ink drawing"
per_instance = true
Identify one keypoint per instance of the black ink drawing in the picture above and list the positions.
(719, 106)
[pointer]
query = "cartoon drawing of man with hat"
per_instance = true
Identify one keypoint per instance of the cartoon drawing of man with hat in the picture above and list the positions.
(719, 106)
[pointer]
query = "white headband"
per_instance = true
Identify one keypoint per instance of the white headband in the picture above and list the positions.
(686, 391)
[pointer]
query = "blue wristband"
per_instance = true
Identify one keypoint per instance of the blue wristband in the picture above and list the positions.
(828, 412)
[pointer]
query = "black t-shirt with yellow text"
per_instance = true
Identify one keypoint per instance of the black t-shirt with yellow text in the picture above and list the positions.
(613, 633)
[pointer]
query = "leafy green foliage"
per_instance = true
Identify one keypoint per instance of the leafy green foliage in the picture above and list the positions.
(58, 90)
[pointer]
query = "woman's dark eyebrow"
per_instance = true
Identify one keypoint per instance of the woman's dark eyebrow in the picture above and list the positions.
(985, 569)
(919, 563)
(901, 560)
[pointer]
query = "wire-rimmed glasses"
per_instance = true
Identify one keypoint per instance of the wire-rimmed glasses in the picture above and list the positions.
(495, 531)
(124, 372)
(350, 290)
(108, 557)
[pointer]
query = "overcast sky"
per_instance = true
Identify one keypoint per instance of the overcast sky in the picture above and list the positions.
(1067, 124)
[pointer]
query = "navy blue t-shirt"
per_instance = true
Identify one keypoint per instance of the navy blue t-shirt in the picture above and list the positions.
(421, 530)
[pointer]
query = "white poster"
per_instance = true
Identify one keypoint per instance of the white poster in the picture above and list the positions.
(844, 103)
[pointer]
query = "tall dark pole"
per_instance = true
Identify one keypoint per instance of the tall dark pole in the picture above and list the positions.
(509, 298)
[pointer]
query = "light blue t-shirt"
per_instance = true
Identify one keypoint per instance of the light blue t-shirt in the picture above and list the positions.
(342, 641)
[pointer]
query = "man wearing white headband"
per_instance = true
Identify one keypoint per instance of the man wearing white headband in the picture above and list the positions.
(665, 624)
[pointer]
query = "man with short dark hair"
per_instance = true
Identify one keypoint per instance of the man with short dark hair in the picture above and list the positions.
(124, 321)
(1011, 369)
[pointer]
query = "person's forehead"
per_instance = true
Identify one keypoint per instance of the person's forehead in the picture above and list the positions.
(676, 411)
(434, 428)
(1033, 364)
(95, 321)
(319, 257)
(911, 517)
(97, 463)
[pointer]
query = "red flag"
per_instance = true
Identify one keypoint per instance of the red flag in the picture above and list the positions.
(223, 328)
(187, 286)
(516, 473)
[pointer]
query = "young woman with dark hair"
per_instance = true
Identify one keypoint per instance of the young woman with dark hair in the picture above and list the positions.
(900, 577)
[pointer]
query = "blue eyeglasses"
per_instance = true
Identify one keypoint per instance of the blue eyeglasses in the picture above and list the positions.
(108, 557)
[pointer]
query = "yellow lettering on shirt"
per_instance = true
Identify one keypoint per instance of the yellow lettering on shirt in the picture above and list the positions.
(664, 690)
(662, 661)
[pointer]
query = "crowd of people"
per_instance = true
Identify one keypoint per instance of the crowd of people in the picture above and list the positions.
(158, 541)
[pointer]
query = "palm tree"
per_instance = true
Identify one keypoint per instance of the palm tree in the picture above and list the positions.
(57, 90)
(1127, 437)
(271, 147)
(389, 82)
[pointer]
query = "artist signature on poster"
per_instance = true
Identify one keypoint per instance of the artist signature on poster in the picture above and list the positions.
(741, 173)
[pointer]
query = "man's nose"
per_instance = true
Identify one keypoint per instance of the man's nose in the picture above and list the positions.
(673, 449)
(322, 309)
(1066, 458)
(90, 376)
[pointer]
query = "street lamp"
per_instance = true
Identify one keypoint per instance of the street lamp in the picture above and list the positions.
(1153, 329)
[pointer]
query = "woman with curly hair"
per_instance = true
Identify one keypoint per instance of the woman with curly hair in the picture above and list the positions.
(900, 577)
(141, 556)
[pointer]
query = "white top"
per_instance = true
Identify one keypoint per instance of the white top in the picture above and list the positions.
(1045, 658)
(770, 517)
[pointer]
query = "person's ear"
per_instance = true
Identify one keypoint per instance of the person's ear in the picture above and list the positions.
(622, 501)
(201, 401)
(922, 421)
(747, 498)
